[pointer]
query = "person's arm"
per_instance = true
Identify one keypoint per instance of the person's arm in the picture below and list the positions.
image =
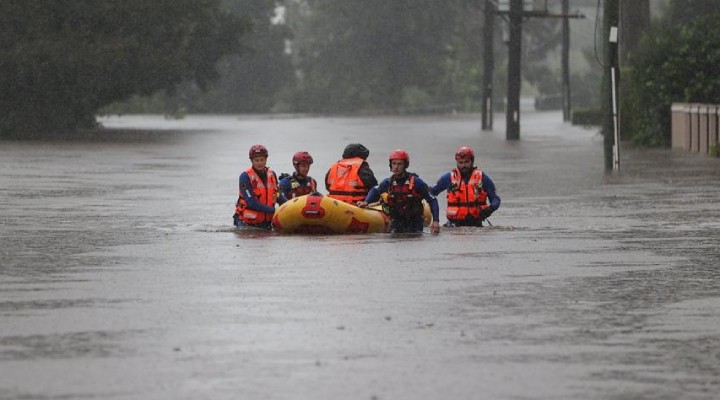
(283, 193)
(442, 184)
(493, 198)
(489, 187)
(435, 211)
(374, 193)
(327, 187)
(433, 202)
(247, 194)
(367, 176)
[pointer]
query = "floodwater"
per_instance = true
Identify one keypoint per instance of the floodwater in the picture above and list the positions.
(120, 277)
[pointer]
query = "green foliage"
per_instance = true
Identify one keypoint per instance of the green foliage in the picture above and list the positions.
(136, 104)
(62, 61)
(683, 12)
(254, 82)
(415, 98)
(713, 150)
(587, 116)
(250, 83)
(541, 36)
(585, 89)
(676, 63)
(359, 55)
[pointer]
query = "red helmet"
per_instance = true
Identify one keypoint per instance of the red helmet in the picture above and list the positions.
(464, 153)
(302, 157)
(258, 150)
(400, 155)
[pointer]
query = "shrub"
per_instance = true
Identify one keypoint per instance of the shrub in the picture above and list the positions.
(587, 117)
(673, 64)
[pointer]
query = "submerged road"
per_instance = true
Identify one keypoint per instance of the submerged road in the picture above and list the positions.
(120, 277)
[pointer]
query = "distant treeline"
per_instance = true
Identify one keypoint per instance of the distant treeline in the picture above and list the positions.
(62, 63)
(370, 56)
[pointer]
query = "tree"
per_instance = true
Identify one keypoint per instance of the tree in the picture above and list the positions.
(634, 22)
(253, 81)
(681, 12)
(541, 37)
(379, 54)
(676, 62)
(61, 61)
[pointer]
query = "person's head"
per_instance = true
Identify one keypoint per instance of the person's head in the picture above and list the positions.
(465, 158)
(301, 161)
(258, 155)
(399, 162)
(356, 150)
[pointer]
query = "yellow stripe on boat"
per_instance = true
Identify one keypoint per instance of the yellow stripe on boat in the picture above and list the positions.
(315, 213)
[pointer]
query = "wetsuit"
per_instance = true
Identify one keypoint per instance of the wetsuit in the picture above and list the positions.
(406, 209)
(291, 186)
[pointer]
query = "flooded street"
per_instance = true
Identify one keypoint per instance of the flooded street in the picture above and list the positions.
(121, 276)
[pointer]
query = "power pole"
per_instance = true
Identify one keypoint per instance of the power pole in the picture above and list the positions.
(567, 100)
(512, 110)
(514, 12)
(611, 135)
(489, 65)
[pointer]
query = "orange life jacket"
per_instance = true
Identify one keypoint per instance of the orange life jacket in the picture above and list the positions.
(465, 199)
(265, 194)
(344, 183)
(404, 200)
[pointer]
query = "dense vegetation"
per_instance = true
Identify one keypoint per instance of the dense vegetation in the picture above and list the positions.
(380, 54)
(61, 61)
(375, 56)
(251, 81)
(676, 62)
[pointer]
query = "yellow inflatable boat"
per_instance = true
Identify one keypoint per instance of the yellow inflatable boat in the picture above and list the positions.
(319, 214)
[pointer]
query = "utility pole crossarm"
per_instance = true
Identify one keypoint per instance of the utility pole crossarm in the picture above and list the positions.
(545, 14)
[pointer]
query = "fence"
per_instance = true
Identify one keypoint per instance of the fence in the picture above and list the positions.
(695, 127)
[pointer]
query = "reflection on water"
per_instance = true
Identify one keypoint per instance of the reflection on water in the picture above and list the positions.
(117, 254)
(97, 344)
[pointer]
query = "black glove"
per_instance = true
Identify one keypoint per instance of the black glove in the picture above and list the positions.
(485, 213)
